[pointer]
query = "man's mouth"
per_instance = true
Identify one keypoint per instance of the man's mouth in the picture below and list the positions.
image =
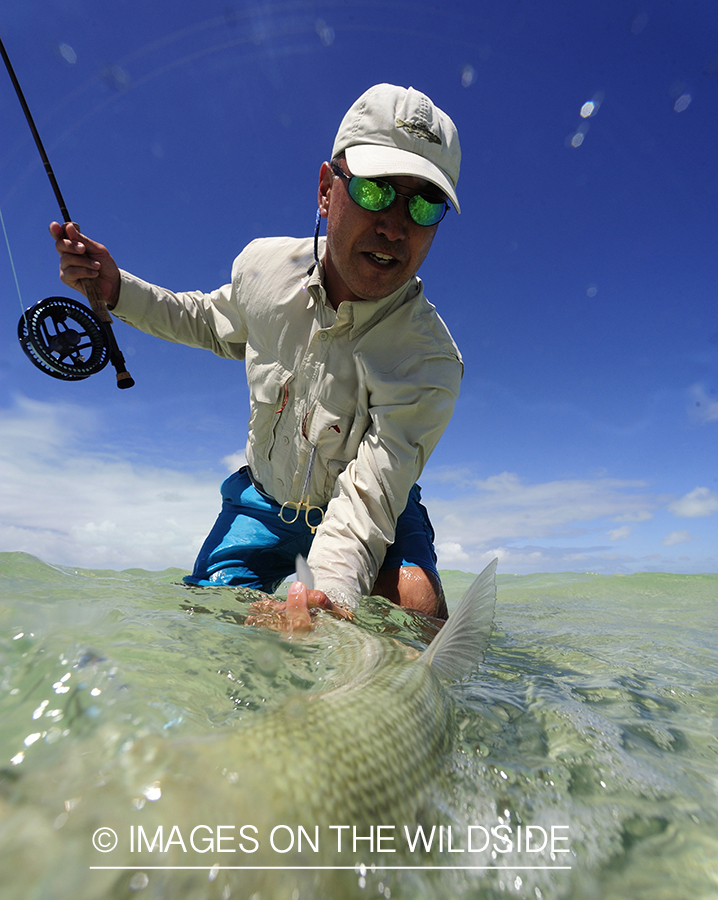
(382, 258)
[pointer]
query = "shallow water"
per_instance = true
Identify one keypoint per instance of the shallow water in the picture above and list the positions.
(595, 713)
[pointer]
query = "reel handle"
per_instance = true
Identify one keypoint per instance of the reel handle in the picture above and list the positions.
(99, 307)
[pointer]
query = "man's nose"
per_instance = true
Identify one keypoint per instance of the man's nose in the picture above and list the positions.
(394, 221)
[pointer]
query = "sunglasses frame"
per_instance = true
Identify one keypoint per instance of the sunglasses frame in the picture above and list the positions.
(349, 178)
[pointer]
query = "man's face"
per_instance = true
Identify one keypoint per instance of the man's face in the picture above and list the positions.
(370, 254)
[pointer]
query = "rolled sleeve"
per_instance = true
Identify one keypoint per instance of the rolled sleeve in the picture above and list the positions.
(409, 413)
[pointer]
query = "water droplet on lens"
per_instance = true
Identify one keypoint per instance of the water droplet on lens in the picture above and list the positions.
(468, 75)
(68, 54)
(139, 881)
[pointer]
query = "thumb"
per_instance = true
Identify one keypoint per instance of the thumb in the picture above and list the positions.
(297, 610)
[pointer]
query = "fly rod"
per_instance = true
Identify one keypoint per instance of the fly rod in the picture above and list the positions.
(45, 331)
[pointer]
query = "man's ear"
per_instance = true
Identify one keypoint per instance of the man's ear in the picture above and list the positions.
(326, 180)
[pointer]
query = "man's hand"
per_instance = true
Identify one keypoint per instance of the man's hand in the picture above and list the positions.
(82, 258)
(295, 614)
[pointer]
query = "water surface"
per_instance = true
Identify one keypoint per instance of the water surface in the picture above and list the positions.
(595, 712)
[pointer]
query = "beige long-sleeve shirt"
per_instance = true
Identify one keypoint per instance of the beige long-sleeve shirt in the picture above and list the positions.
(372, 385)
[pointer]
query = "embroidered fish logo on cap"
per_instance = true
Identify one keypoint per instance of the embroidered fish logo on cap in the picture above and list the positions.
(419, 129)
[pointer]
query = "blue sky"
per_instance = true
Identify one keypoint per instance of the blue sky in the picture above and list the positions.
(579, 281)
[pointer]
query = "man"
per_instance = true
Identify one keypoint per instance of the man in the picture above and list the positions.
(352, 374)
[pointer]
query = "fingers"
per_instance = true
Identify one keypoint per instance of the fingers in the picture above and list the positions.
(319, 600)
(69, 240)
(56, 230)
(290, 615)
(266, 614)
(297, 609)
(294, 614)
(82, 258)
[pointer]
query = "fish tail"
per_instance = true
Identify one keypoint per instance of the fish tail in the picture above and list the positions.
(459, 647)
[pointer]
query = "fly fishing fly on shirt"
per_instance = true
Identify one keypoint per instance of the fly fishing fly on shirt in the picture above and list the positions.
(62, 337)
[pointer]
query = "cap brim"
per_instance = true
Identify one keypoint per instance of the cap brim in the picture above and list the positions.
(377, 161)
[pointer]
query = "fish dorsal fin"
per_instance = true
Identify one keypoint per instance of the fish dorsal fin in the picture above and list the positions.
(459, 647)
(304, 573)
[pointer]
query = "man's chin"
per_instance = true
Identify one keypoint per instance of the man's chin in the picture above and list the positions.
(379, 284)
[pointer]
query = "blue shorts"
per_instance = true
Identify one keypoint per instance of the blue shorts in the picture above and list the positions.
(252, 547)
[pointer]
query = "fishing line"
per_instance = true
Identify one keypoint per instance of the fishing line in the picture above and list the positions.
(12, 261)
(62, 337)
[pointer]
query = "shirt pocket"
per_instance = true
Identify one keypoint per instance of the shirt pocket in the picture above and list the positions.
(337, 436)
(268, 394)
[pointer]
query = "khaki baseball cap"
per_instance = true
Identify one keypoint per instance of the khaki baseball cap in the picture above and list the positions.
(393, 130)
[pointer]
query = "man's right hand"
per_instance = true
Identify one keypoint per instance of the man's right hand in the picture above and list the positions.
(294, 613)
(82, 258)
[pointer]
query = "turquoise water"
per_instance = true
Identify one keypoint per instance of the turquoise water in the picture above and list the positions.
(595, 712)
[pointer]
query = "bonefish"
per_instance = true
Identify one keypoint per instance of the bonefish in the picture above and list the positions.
(366, 749)
(369, 749)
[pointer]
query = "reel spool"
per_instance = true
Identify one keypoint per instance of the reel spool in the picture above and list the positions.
(63, 338)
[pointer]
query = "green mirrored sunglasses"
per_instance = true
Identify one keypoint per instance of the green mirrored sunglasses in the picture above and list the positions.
(375, 195)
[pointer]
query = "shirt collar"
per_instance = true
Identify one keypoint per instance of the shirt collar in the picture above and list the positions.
(361, 315)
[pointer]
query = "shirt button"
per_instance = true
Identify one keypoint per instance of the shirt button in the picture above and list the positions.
(323, 335)
(285, 439)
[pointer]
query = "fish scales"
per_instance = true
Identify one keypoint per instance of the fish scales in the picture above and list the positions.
(368, 746)
(369, 750)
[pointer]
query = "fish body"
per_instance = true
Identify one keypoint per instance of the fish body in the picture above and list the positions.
(366, 750)
(359, 753)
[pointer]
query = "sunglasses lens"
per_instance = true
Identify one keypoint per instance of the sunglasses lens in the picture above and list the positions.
(424, 212)
(373, 195)
(377, 195)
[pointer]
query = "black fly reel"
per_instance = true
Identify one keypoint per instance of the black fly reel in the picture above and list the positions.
(64, 338)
